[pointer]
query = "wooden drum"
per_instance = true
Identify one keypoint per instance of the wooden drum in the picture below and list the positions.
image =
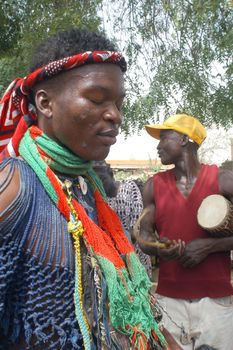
(215, 215)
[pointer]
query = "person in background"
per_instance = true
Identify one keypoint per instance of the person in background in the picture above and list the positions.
(70, 278)
(194, 284)
(125, 199)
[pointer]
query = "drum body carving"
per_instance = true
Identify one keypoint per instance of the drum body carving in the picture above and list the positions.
(215, 215)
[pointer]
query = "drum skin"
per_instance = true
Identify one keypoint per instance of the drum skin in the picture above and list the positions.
(215, 215)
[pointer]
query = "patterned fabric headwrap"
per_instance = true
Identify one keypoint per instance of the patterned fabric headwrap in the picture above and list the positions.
(17, 112)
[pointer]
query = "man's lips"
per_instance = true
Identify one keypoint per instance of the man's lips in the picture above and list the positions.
(109, 133)
(108, 136)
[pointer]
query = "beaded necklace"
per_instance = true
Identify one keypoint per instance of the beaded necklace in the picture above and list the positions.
(128, 284)
(75, 228)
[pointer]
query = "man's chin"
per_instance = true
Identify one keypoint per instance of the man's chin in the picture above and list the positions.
(164, 162)
(101, 155)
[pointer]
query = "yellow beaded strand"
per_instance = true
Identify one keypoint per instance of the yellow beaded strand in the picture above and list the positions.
(76, 228)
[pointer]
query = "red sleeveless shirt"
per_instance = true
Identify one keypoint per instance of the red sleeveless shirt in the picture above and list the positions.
(176, 217)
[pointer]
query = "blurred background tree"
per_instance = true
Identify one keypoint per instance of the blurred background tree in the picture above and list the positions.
(25, 23)
(180, 58)
(179, 51)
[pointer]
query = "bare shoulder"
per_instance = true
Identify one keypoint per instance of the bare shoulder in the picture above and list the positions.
(225, 180)
(148, 192)
(9, 185)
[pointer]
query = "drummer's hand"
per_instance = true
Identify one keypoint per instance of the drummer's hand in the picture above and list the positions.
(194, 252)
(173, 251)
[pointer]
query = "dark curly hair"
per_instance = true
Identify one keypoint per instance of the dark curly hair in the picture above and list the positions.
(68, 43)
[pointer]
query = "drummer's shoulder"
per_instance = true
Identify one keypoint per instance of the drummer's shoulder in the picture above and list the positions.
(148, 186)
(225, 174)
(148, 190)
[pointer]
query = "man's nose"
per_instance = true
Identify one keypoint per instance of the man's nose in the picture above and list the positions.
(113, 114)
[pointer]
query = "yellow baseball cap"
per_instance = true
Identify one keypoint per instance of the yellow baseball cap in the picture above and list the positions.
(183, 123)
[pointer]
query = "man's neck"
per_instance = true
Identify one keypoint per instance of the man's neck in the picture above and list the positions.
(186, 173)
(187, 167)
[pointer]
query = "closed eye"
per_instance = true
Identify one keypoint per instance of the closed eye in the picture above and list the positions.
(97, 102)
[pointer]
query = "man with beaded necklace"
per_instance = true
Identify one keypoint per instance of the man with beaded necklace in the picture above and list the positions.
(69, 276)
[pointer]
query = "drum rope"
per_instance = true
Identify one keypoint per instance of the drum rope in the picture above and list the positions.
(184, 337)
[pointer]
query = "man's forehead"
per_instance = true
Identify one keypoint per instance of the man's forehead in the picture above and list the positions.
(104, 77)
(96, 69)
(100, 76)
(169, 132)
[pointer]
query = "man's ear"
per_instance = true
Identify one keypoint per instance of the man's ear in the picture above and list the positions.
(184, 140)
(43, 103)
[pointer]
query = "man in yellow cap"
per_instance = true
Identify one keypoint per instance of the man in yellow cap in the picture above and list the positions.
(194, 286)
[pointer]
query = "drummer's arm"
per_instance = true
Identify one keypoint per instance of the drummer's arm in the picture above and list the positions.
(225, 180)
(147, 228)
(226, 189)
(148, 239)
